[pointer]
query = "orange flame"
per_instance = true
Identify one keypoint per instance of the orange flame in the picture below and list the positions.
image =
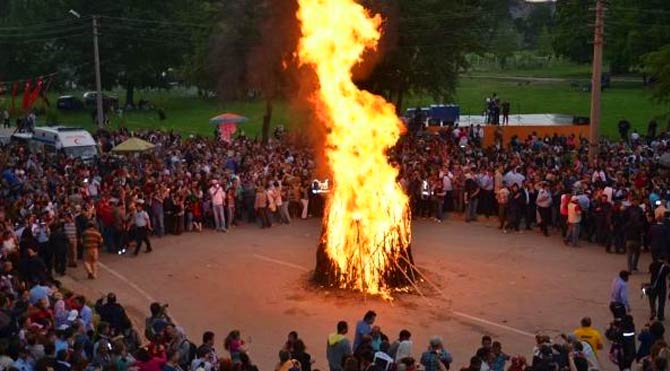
(367, 223)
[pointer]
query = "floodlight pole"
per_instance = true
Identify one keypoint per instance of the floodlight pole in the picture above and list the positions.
(98, 79)
(596, 80)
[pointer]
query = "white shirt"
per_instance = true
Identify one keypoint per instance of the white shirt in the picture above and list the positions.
(404, 350)
(446, 182)
(217, 194)
(141, 219)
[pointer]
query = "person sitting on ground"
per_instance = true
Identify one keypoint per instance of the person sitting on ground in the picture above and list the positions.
(286, 363)
(113, 313)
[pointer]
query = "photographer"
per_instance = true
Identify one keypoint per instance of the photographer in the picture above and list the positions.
(158, 320)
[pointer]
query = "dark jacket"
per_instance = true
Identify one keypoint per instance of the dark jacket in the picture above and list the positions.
(633, 223)
(114, 314)
(658, 234)
(59, 241)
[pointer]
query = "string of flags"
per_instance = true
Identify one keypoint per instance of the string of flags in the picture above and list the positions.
(33, 89)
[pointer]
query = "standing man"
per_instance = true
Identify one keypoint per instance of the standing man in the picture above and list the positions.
(619, 304)
(142, 224)
(338, 347)
(218, 199)
(502, 197)
(60, 245)
(364, 327)
(471, 197)
(633, 230)
(658, 233)
(486, 193)
(70, 229)
(658, 289)
(574, 220)
(92, 242)
(505, 112)
(624, 127)
(543, 203)
(5, 119)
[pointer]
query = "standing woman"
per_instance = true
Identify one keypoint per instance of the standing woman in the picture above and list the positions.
(304, 199)
(231, 194)
(178, 214)
(283, 208)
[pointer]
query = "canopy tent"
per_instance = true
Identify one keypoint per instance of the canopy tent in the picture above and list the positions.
(228, 118)
(134, 145)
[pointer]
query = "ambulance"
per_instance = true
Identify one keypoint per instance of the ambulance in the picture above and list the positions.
(71, 141)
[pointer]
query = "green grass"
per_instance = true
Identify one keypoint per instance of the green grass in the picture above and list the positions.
(185, 113)
(189, 114)
(622, 100)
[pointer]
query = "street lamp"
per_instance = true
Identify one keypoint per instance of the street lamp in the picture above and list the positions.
(100, 117)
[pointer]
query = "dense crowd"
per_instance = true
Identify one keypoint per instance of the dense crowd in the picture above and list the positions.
(55, 211)
(619, 201)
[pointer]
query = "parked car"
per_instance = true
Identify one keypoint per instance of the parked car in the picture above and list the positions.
(69, 103)
(107, 100)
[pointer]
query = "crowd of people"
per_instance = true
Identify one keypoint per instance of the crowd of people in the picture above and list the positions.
(57, 211)
(619, 201)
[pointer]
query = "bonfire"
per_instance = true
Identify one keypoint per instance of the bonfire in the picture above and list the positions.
(365, 244)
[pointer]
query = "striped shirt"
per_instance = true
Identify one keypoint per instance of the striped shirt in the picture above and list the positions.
(70, 230)
(91, 238)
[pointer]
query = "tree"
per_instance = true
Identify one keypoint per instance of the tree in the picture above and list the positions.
(573, 32)
(424, 45)
(544, 40)
(255, 52)
(658, 67)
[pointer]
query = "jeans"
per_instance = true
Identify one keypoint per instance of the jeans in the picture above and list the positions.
(230, 216)
(439, 208)
(471, 211)
(263, 215)
(633, 254)
(545, 213)
(142, 235)
(283, 212)
(305, 208)
(158, 220)
(502, 215)
(219, 218)
(657, 303)
(572, 235)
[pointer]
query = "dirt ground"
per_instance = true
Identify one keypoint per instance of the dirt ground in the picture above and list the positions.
(509, 286)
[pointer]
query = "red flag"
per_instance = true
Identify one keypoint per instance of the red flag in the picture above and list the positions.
(15, 91)
(25, 102)
(35, 93)
(45, 90)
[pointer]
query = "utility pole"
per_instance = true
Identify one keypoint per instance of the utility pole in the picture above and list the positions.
(98, 79)
(596, 81)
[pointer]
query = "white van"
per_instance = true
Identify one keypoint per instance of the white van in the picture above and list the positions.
(71, 141)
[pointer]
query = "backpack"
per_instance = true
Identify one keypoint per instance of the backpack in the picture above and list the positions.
(149, 329)
(192, 352)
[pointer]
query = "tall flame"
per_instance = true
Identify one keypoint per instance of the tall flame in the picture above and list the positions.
(367, 223)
